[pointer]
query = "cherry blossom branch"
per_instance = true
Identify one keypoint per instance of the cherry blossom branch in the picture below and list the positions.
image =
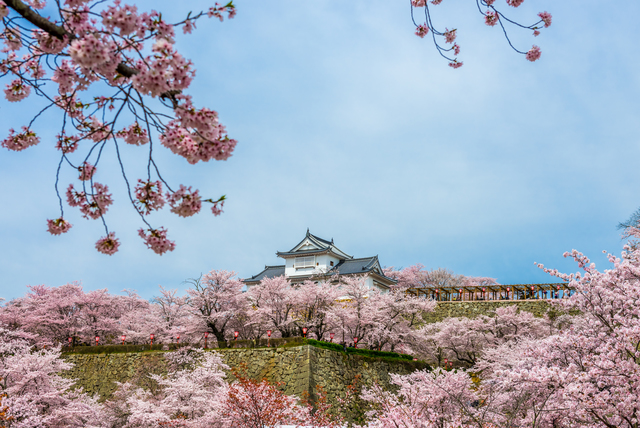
(492, 17)
(87, 46)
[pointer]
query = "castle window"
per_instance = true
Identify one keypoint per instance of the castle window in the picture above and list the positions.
(304, 262)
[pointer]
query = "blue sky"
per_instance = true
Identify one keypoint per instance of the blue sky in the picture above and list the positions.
(354, 127)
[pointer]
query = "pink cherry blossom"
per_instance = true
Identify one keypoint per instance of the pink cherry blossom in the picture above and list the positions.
(17, 91)
(422, 30)
(436, 2)
(546, 18)
(189, 26)
(124, 18)
(66, 144)
(418, 3)
(489, 2)
(450, 35)
(12, 40)
(217, 11)
(156, 240)
(58, 226)
(514, 3)
(456, 49)
(48, 43)
(184, 202)
(93, 205)
(163, 71)
(90, 51)
(97, 131)
(148, 196)
(134, 135)
(534, 53)
(491, 18)
(455, 64)
(216, 209)
(21, 141)
(86, 171)
(108, 244)
(536, 33)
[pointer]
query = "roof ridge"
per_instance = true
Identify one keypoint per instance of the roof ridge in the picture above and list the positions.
(360, 258)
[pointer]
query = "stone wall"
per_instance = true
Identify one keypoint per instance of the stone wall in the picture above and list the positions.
(473, 309)
(299, 370)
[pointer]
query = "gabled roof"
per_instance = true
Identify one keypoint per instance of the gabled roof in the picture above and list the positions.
(312, 244)
(363, 265)
(268, 272)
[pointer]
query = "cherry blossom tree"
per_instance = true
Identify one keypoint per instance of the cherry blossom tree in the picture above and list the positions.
(396, 316)
(260, 404)
(52, 315)
(313, 304)
(356, 308)
(35, 395)
(463, 340)
(190, 395)
(274, 302)
(215, 299)
(442, 399)
(174, 316)
(130, 61)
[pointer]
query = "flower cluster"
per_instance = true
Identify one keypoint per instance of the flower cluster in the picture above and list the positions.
(216, 209)
(546, 18)
(455, 64)
(197, 135)
(422, 30)
(217, 11)
(21, 141)
(156, 240)
(534, 53)
(108, 244)
(184, 202)
(163, 72)
(491, 18)
(48, 43)
(134, 135)
(17, 91)
(92, 206)
(58, 226)
(96, 130)
(515, 3)
(86, 171)
(124, 18)
(67, 144)
(12, 40)
(148, 196)
(90, 51)
(450, 35)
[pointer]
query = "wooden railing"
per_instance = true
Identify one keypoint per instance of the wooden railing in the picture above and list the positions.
(495, 292)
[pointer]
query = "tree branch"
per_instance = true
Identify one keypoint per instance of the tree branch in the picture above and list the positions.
(43, 23)
(56, 30)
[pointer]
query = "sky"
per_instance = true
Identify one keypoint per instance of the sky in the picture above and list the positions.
(350, 125)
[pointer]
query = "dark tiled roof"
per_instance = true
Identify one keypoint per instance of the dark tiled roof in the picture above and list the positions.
(268, 272)
(346, 267)
(303, 252)
(321, 240)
